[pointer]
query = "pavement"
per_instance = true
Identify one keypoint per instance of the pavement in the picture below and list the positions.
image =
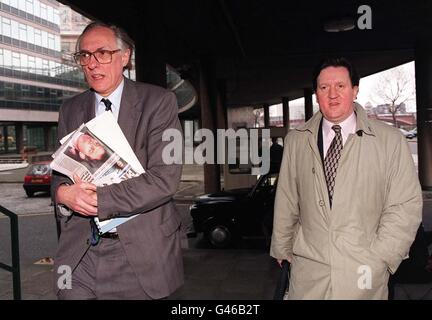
(246, 272)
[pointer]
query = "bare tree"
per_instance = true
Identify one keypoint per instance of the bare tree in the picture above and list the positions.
(394, 88)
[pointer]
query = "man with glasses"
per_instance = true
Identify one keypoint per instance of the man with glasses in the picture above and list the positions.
(140, 259)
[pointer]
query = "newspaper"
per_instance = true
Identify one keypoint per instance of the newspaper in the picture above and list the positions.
(98, 152)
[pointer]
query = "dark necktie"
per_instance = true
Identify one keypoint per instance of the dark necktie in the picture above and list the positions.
(107, 104)
(331, 161)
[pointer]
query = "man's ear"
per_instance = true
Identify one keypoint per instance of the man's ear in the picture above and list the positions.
(82, 155)
(356, 91)
(126, 57)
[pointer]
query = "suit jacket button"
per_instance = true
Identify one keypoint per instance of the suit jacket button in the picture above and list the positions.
(313, 170)
(321, 203)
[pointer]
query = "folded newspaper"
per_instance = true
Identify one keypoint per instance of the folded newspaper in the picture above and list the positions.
(98, 152)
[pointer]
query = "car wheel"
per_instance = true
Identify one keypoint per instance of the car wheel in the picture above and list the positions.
(219, 235)
(29, 193)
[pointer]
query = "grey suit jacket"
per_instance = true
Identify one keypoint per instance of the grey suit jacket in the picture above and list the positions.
(151, 240)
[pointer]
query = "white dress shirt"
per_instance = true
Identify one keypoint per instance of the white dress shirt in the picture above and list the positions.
(114, 97)
(348, 126)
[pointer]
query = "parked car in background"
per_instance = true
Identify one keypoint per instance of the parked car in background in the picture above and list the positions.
(38, 178)
(228, 215)
(409, 134)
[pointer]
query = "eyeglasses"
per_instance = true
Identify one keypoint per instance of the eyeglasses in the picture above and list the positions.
(102, 56)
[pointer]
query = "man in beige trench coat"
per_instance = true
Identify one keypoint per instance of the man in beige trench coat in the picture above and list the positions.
(344, 235)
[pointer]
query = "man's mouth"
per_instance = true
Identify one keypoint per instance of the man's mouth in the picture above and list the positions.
(97, 76)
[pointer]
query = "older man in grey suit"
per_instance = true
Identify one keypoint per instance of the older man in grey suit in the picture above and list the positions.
(142, 258)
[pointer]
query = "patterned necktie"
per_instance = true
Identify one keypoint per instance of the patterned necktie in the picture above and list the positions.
(331, 161)
(107, 104)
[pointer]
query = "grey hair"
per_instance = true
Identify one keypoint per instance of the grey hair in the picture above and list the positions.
(124, 41)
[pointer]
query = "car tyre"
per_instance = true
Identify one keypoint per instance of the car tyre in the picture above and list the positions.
(219, 235)
(29, 194)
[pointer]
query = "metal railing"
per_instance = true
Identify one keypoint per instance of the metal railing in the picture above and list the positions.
(15, 268)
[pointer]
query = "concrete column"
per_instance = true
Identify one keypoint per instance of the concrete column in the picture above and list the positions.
(150, 45)
(208, 97)
(308, 103)
(19, 136)
(285, 111)
(47, 137)
(423, 72)
(266, 108)
(6, 139)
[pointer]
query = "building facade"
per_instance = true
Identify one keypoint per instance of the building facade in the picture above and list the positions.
(36, 76)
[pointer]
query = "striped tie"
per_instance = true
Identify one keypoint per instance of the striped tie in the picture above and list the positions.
(331, 161)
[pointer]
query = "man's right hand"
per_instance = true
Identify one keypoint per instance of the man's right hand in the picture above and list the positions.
(289, 259)
(81, 197)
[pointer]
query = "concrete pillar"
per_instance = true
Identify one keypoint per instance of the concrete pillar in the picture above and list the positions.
(308, 103)
(47, 137)
(423, 73)
(285, 112)
(19, 136)
(6, 139)
(150, 45)
(210, 108)
(266, 108)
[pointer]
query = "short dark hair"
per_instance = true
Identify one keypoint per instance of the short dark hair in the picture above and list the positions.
(124, 41)
(336, 62)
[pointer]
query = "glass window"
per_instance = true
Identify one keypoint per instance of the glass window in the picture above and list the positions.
(38, 65)
(57, 43)
(14, 3)
(24, 62)
(30, 35)
(15, 29)
(43, 11)
(50, 14)
(44, 39)
(29, 6)
(45, 67)
(51, 43)
(23, 32)
(16, 60)
(22, 5)
(7, 58)
(36, 8)
(1, 57)
(38, 37)
(31, 64)
(56, 17)
(6, 27)
(6, 2)
(52, 69)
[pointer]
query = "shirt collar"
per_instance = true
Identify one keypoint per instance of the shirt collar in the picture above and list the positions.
(114, 97)
(348, 126)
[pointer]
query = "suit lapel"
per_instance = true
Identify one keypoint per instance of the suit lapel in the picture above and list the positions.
(129, 115)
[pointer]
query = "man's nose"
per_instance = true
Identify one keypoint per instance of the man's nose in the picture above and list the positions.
(333, 93)
(93, 63)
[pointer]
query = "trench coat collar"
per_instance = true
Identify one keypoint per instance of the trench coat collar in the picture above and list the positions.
(363, 123)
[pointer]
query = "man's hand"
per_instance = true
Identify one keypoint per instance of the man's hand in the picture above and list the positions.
(289, 259)
(81, 197)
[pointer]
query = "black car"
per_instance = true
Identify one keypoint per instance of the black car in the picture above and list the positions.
(228, 215)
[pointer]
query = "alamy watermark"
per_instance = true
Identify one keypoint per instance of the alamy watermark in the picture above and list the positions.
(65, 280)
(249, 141)
(364, 282)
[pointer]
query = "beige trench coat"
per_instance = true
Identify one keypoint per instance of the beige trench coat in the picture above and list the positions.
(346, 252)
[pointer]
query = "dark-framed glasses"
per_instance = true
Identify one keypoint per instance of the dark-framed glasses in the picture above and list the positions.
(102, 56)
